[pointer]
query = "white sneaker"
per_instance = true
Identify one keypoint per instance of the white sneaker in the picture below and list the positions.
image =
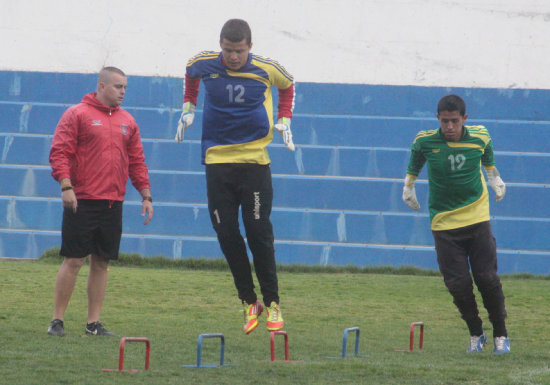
(502, 345)
(477, 343)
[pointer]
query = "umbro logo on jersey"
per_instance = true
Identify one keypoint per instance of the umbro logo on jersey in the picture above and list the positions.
(214, 76)
(96, 123)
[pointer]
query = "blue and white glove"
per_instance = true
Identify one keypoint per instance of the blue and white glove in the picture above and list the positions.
(186, 119)
(409, 192)
(496, 183)
(283, 126)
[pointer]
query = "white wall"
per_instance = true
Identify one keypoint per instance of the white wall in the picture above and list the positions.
(470, 43)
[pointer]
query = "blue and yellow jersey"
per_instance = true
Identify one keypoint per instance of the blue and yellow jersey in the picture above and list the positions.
(238, 108)
(458, 192)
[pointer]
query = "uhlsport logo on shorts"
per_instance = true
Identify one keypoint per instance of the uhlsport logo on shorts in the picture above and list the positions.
(257, 205)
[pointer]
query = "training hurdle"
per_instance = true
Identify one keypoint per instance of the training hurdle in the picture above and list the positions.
(199, 351)
(272, 335)
(345, 342)
(411, 339)
(121, 354)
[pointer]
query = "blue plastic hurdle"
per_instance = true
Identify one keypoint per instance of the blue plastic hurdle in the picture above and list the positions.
(199, 351)
(345, 342)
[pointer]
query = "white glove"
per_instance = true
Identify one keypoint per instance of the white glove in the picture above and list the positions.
(496, 183)
(409, 192)
(186, 119)
(283, 126)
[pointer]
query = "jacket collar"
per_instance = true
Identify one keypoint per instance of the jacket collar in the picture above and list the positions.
(91, 99)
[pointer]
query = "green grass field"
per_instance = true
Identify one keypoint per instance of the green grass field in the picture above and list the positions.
(172, 307)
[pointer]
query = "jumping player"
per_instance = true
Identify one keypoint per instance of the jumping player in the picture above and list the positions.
(237, 127)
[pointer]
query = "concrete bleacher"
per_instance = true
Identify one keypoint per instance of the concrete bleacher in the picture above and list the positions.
(337, 198)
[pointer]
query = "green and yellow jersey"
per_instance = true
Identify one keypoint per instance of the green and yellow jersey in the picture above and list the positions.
(458, 193)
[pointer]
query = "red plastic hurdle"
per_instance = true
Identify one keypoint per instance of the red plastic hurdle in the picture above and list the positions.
(421, 339)
(411, 340)
(273, 334)
(121, 354)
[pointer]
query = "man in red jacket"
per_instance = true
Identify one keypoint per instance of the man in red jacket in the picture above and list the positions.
(95, 148)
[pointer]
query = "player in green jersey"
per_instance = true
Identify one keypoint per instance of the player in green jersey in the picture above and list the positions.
(459, 215)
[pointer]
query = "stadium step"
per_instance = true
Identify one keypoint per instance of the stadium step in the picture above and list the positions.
(337, 198)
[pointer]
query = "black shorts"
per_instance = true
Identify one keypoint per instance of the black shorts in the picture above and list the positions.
(95, 228)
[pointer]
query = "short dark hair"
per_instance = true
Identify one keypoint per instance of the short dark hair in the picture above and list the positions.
(113, 69)
(106, 72)
(452, 103)
(236, 30)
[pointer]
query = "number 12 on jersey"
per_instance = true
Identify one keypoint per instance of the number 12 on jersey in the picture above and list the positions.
(236, 93)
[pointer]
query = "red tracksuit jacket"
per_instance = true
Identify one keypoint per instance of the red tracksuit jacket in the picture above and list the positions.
(98, 147)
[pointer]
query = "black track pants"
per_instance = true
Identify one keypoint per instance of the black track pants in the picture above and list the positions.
(473, 247)
(249, 187)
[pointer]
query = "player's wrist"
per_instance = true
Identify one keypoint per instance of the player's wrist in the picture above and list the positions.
(188, 108)
(409, 180)
(284, 120)
(492, 172)
(65, 184)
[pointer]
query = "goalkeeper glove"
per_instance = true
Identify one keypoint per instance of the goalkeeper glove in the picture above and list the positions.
(186, 119)
(409, 192)
(283, 126)
(494, 180)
